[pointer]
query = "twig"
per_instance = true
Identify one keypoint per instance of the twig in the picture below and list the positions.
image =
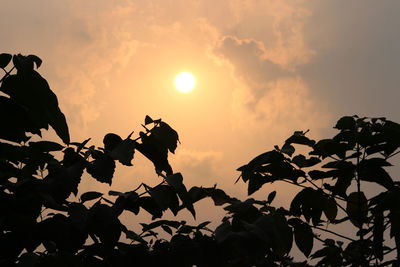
(331, 232)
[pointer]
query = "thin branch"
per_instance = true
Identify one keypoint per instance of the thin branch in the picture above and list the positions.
(7, 74)
(394, 154)
(331, 232)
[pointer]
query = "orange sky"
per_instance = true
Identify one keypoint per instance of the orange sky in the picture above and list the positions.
(264, 69)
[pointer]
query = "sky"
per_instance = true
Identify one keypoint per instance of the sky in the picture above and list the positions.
(264, 69)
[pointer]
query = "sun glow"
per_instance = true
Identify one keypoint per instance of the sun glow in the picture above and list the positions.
(185, 82)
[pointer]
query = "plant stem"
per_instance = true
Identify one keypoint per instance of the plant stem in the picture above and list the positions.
(331, 232)
(359, 196)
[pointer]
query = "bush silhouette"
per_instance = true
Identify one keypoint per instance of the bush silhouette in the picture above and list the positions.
(41, 226)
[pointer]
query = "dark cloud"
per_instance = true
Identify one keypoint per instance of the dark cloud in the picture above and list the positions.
(357, 62)
(247, 57)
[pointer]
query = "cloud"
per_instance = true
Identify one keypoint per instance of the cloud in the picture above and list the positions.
(199, 166)
(249, 61)
(357, 60)
(267, 94)
(286, 105)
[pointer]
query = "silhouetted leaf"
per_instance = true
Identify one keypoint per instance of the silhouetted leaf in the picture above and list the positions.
(256, 182)
(395, 222)
(277, 231)
(28, 260)
(59, 230)
(328, 147)
(30, 90)
(309, 203)
(104, 223)
(45, 146)
(124, 151)
(62, 181)
(301, 161)
(78, 215)
(166, 229)
(203, 224)
(271, 197)
(90, 196)
(288, 149)
(149, 204)
(126, 201)
(165, 197)
(371, 170)
(155, 152)
(300, 138)
(71, 157)
(80, 146)
(346, 123)
(111, 141)
(303, 236)
(133, 236)
(50, 202)
(4, 60)
(330, 209)
(357, 208)
(102, 169)
(166, 135)
(197, 193)
(35, 59)
(219, 196)
(317, 174)
(330, 254)
(147, 227)
(243, 210)
(148, 120)
(176, 181)
(18, 123)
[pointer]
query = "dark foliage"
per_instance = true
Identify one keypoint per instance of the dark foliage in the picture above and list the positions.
(42, 225)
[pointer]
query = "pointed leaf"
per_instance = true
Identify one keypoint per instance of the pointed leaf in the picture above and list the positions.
(357, 208)
(299, 138)
(165, 196)
(166, 229)
(303, 236)
(46, 146)
(176, 181)
(5, 59)
(104, 223)
(155, 152)
(32, 91)
(203, 224)
(35, 59)
(148, 120)
(126, 201)
(124, 151)
(148, 204)
(111, 141)
(330, 209)
(271, 197)
(90, 196)
(17, 119)
(166, 135)
(346, 123)
(102, 169)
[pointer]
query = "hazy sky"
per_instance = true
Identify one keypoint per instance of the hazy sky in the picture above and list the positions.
(264, 69)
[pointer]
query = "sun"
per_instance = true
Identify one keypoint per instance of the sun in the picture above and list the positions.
(185, 82)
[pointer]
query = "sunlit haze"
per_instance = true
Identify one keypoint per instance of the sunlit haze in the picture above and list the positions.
(185, 82)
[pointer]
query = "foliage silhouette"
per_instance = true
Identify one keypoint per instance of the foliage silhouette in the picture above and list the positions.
(41, 225)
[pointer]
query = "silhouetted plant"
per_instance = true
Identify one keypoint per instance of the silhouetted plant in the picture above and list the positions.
(41, 225)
